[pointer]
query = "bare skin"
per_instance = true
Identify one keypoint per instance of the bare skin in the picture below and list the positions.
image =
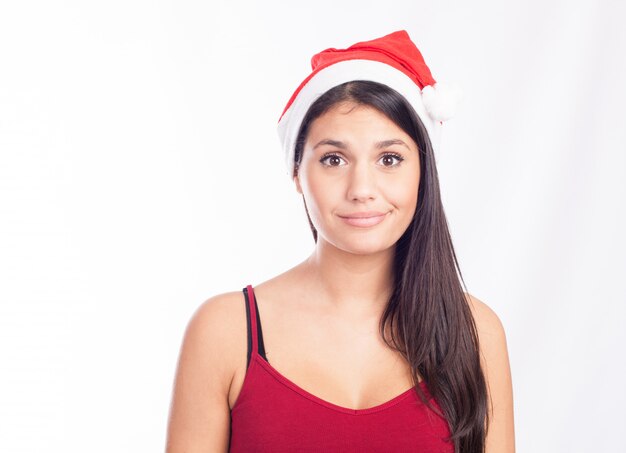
(320, 318)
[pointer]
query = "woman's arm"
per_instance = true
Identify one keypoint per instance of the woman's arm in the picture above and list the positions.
(199, 419)
(495, 363)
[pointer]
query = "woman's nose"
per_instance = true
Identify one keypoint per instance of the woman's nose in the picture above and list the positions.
(362, 182)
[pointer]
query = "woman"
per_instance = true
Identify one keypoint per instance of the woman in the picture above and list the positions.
(370, 344)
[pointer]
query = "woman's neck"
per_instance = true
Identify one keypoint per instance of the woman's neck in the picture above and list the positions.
(358, 286)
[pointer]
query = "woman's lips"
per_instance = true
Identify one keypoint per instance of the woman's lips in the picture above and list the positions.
(364, 219)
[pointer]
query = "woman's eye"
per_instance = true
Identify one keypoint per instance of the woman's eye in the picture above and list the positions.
(330, 160)
(334, 160)
(389, 158)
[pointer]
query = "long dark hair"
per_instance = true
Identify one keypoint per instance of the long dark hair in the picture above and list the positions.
(428, 314)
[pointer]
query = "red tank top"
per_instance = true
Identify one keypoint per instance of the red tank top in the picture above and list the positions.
(273, 414)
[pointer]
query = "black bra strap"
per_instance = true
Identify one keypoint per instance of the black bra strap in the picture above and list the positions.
(261, 346)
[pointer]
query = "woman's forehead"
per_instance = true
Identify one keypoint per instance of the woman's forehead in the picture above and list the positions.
(352, 118)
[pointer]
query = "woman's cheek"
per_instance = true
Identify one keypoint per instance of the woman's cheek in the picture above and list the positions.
(320, 203)
(405, 197)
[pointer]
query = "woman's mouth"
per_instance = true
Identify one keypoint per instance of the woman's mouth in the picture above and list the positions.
(364, 219)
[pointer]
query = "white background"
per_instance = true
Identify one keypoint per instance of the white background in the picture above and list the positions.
(140, 174)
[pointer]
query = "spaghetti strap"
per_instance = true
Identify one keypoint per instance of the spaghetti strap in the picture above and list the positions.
(253, 321)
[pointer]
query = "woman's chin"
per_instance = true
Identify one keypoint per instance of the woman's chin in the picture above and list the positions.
(364, 246)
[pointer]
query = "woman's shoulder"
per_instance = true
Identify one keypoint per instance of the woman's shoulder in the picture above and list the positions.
(487, 322)
(207, 361)
(494, 359)
(491, 337)
(220, 319)
(217, 312)
(213, 335)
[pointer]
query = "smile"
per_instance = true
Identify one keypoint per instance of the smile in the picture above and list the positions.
(364, 222)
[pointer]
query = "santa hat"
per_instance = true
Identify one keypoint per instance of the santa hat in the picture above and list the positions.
(393, 60)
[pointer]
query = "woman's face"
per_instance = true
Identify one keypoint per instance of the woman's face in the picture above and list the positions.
(356, 162)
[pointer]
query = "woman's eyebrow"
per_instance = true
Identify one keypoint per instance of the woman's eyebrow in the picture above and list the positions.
(379, 145)
(386, 143)
(328, 141)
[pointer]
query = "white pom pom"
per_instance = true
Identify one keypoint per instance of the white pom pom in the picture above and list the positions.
(441, 100)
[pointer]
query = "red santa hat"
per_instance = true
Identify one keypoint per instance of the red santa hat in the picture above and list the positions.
(393, 60)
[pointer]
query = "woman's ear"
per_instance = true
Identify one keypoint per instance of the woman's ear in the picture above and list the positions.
(296, 180)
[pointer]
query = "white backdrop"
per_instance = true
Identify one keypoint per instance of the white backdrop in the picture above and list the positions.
(140, 174)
